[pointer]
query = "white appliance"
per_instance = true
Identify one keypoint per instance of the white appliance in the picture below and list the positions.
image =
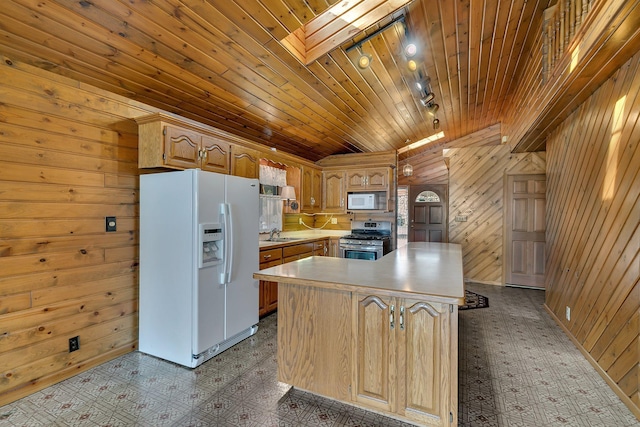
(360, 201)
(198, 252)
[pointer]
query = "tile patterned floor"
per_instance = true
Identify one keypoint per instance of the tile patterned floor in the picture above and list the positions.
(517, 368)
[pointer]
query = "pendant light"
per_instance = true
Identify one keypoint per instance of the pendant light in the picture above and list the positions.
(407, 169)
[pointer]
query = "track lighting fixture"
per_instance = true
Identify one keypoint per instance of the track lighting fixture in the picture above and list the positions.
(412, 65)
(436, 123)
(364, 60)
(426, 99)
(432, 108)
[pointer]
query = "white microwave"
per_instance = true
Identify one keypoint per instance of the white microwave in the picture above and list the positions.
(361, 201)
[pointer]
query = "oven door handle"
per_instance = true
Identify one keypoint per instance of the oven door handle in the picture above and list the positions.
(360, 247)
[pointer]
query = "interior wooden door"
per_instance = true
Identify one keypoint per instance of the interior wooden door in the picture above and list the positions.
(525, 230)
(428, 211)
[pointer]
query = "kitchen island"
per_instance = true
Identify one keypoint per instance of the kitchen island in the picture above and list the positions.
(381, 335)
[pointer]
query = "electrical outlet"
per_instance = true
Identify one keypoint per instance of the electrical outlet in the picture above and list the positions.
(567, 313)
(334, 220)
(74, 344)
(110, 223)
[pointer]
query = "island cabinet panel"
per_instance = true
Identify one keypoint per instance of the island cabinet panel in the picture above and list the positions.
(374, 358)
(371, 335)
(402, 356)
(315, 354)
(424, 361)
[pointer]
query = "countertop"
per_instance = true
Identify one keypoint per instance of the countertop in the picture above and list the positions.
(301, 237)
(433, 269)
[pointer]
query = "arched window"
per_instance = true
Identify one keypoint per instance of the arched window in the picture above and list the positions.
(427, 196)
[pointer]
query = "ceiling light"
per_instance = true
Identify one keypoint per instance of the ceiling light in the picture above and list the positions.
(426, 99)
(436, 124)
(433, 109)
(407, 170)
(410, 50)
(412, 65)
(364, 61)
(422, 142)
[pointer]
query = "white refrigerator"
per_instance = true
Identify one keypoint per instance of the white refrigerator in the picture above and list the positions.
(198, 252)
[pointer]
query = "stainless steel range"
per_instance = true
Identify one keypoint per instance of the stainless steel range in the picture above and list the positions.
(368, 240)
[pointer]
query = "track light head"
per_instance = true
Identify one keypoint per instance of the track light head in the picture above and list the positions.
(432, 109)
(364, 61)
(410, 50)
(426, 99)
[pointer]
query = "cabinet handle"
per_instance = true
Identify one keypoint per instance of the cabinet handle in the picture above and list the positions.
(402, 317)
(391, 316)
(266, 256)
(342, 202)
(204, 155)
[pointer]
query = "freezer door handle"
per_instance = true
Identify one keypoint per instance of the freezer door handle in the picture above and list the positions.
(225, 211)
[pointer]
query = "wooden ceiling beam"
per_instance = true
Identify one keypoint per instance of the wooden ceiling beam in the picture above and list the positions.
(336, 26)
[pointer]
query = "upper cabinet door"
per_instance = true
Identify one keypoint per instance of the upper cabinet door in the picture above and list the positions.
(311, 200)
(333, 191)
(216, 155)
(368, 179)
(356, 180)
(181, 147)
(244, 162)
(378, 179)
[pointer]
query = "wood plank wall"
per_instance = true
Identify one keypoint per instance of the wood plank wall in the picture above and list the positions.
(593, 237)
(429, 166)
(68, 159)
(476, 190)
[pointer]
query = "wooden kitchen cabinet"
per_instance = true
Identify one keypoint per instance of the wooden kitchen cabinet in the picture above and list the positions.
(376, 179)
(334, 247)
(333, 190)
(321, 248)
(402, 353)
(166, 142)
(268, 291)
(311, 197)
(372, 335)
(270, 257)
(244, 162)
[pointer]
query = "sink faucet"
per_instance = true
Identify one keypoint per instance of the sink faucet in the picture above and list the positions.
(272, 232)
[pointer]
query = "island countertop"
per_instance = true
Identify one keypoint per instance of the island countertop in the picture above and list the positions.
(433, 269)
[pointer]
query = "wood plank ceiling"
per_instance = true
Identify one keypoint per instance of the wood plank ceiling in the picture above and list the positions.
(221, 62)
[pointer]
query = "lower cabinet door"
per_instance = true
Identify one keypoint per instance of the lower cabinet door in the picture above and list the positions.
(424, 358)
(271, 296)
(403, 356)
(375, 360)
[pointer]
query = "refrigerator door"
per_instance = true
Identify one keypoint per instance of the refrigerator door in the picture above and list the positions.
(208, 313)
(242, 289)
(167, 270)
